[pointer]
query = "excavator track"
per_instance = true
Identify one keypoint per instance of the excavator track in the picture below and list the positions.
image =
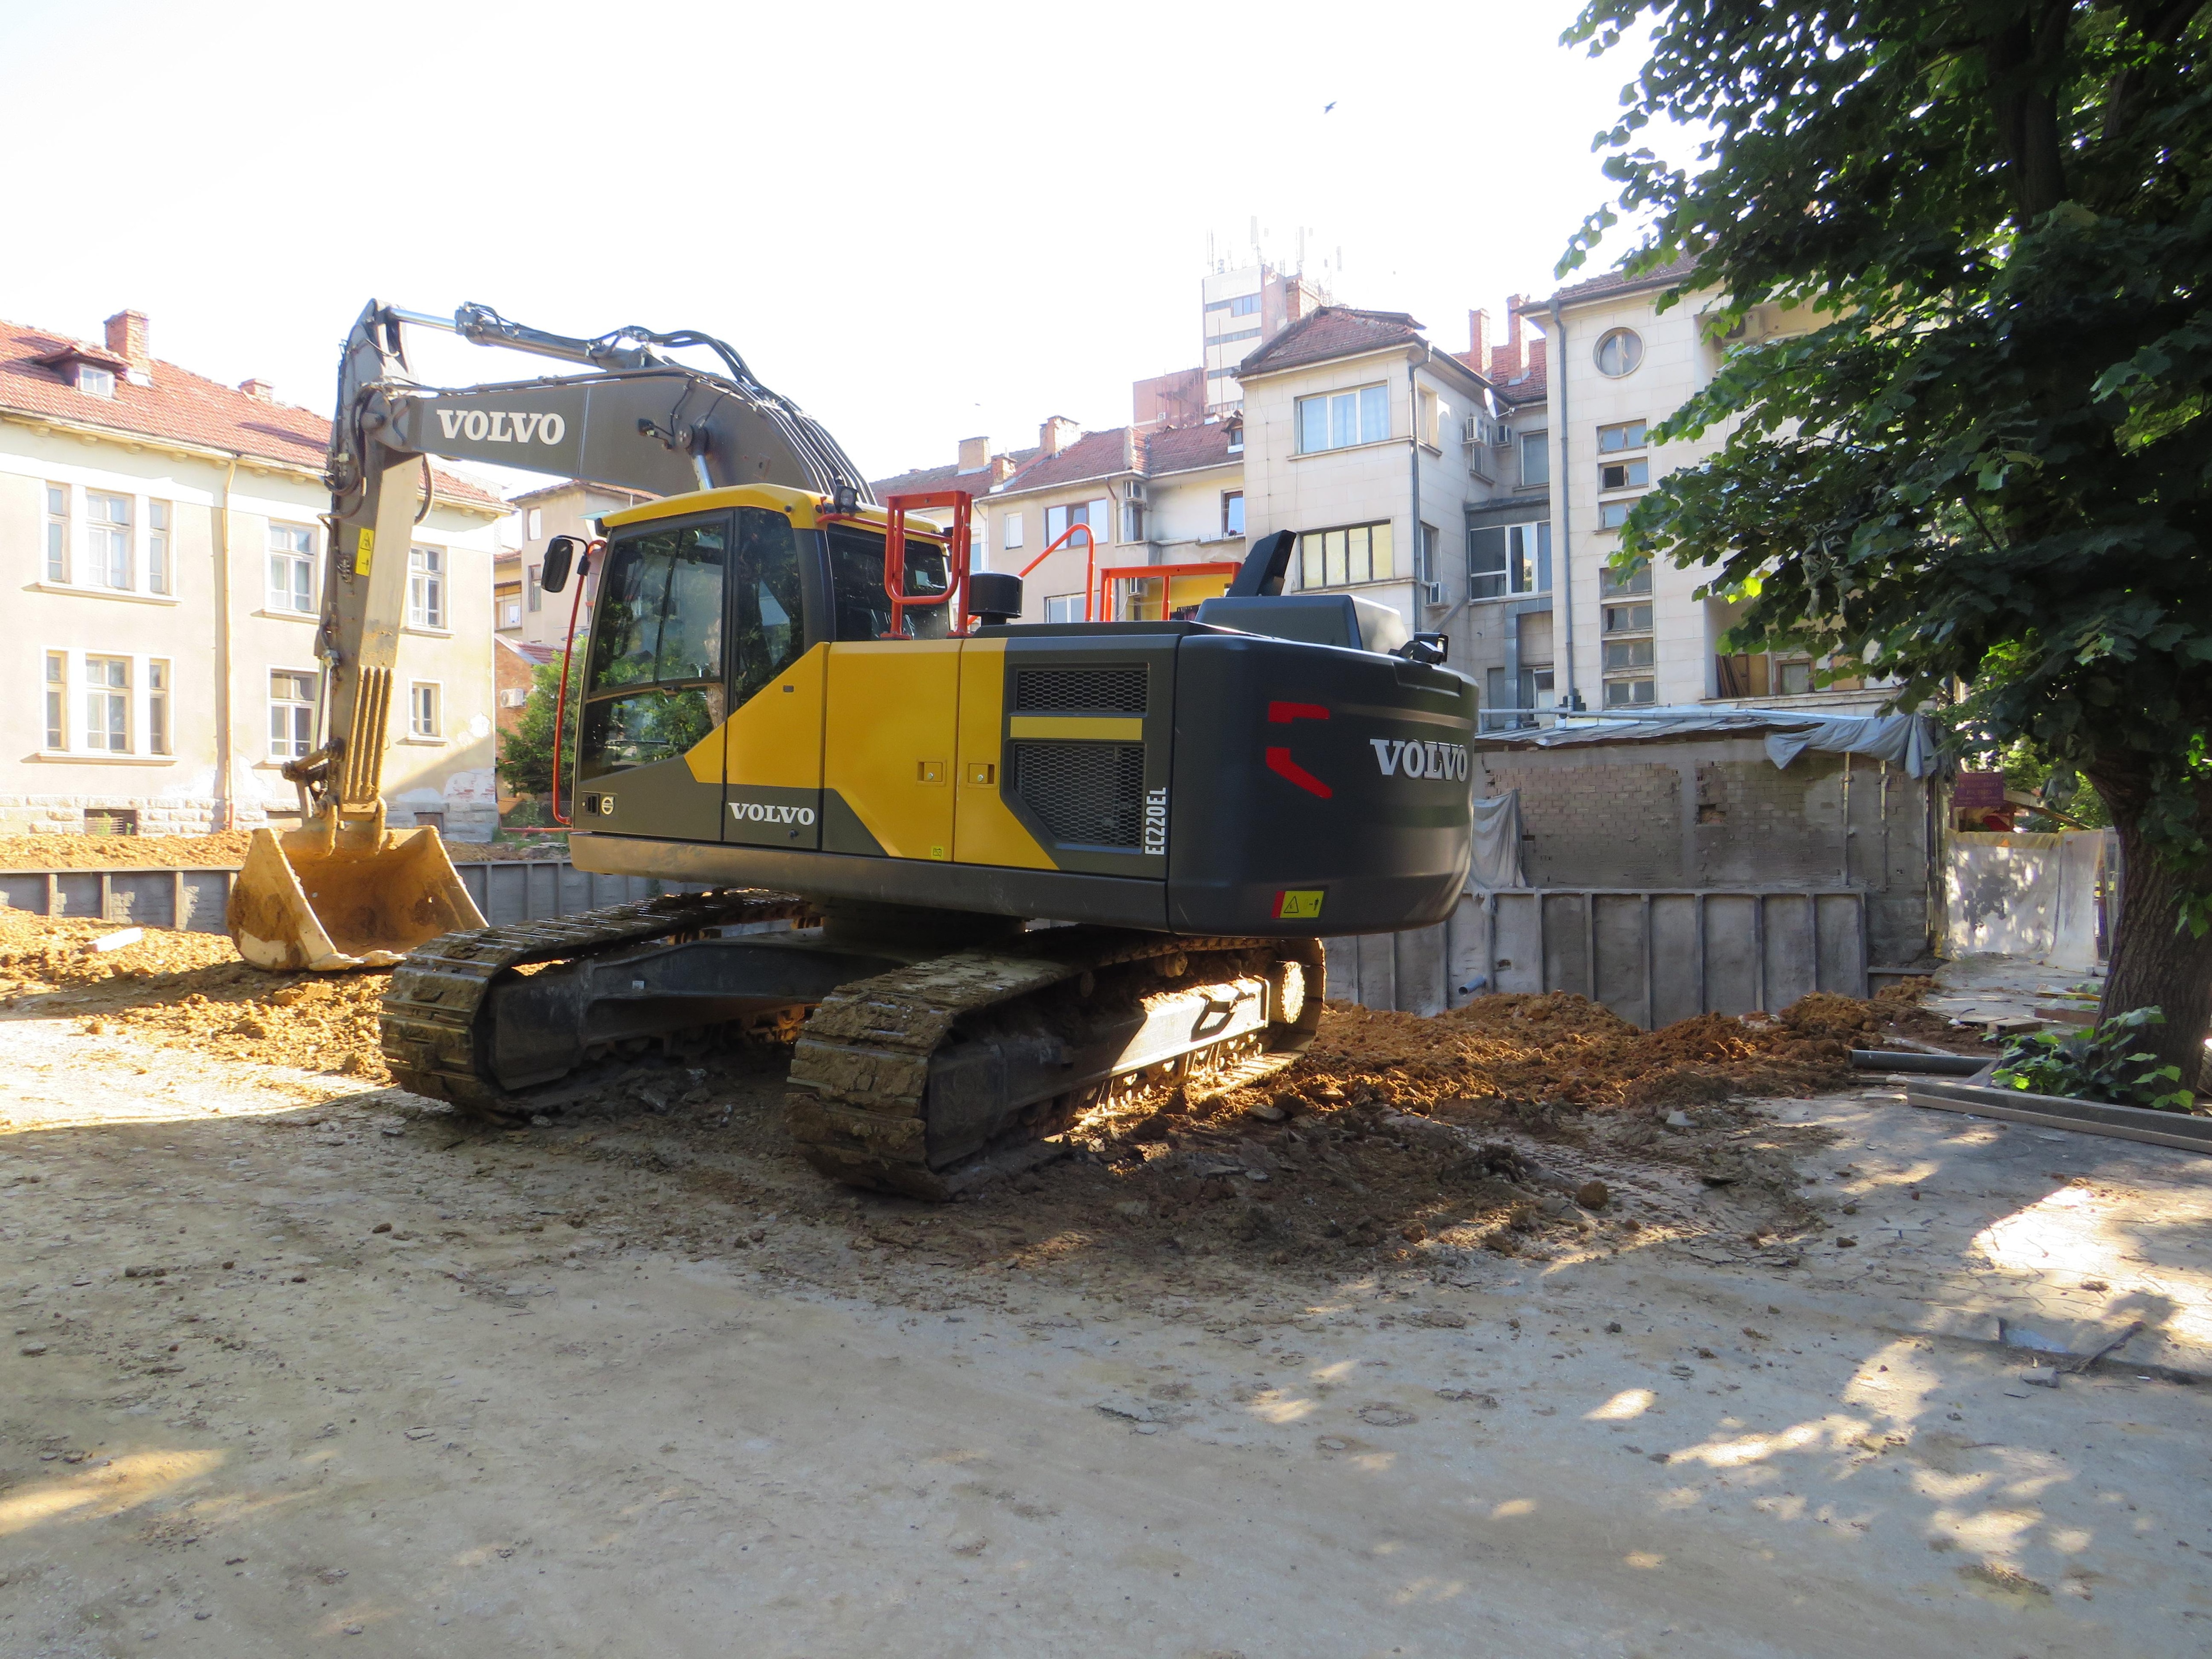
(875, 1059)
(431, 1037)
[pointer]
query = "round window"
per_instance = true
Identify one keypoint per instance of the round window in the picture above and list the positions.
(1619, 351)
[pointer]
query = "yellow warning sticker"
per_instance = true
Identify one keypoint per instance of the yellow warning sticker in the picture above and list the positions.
(1298, 904)
(363, 553)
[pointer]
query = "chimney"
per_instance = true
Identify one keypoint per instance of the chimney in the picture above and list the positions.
(974, 452)
(1056, 434)
(126, 338)
(1478, 335)
(261, 389)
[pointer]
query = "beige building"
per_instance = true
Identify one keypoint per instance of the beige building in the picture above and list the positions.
(1616, 367)
(164, 535)
(522, 611)
(1372, 445)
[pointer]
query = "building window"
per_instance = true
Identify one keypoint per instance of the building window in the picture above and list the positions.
(1058, 520)
(534, 525)
(1793, 678)
(291, 714)
(1536, 459)
(533, 587)
(1628, 619)
(107, 704)
(1338, 419)
(1237, 437)
(1612, 584)
(292, 569)
(1510, 558)
(1064, 608)
(510, 613)
(1244, 305)
(1611, 515)
(1627, 435)
(1010, 532)
(95, 382)
(1232, 511)
(424, 716)
(1633, 473)
(1619, 351)
(1240, 334)
(1431, 415)
(1428, 553)
(58, 527)
(107, 538)
(158, 576)
(1628, 654)
(426, 587)
(1631, 694)
(157, 707)
(57, 700)
(1132, 521)
(1341, 558)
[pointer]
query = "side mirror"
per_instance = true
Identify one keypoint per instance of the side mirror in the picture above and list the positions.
(1425, 648)
(560, 554)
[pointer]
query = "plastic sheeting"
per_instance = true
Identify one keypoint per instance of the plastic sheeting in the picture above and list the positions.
(1905, 741)
(1498, 843)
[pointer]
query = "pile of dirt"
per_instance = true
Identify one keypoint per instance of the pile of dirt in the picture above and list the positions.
(1561, 1050)
(190, 991)
(223, 851)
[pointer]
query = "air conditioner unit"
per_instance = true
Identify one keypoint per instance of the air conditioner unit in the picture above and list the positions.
(1503, 438)
(1133, 490)
(1476, 425)
(1435, 593)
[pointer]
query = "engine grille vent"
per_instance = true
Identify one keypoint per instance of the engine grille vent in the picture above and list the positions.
(1080, 690)
(1088, 794)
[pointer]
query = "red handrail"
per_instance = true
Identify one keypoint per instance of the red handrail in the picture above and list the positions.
(962, 504)
(1089, 559)
(1113, 573)
(561, 702)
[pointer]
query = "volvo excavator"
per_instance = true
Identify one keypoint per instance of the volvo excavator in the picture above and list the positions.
(984, 873)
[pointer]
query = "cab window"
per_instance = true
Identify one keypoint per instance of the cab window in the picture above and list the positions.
(656, 682)
(856, 578)
(765, 601)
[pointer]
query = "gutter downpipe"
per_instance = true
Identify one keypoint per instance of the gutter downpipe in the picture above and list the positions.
(1556, 352)
(1413, 449)
(225, 803)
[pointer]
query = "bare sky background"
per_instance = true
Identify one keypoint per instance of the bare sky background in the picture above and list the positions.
(922, 221)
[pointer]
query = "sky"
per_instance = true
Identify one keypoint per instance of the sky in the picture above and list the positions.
(922, 222)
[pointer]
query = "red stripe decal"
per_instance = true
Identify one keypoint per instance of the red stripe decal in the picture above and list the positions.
(1282, 714)
(1280, 763)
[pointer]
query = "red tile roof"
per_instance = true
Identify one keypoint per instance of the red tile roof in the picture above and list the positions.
(1331, 331)
(1671, 272)
(1094, 455)
(180, 405)
(1185, 448)
(977, 481)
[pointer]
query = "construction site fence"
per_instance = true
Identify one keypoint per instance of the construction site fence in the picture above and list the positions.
(1651, 956)
(192, 901)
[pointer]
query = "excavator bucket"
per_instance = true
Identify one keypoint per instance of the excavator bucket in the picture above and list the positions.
(358, 896)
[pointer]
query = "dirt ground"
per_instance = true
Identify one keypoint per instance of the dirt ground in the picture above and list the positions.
(75, 852)
(1339, 1365)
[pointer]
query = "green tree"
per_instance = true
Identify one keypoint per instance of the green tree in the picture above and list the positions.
(1989, 462)
(526, 754)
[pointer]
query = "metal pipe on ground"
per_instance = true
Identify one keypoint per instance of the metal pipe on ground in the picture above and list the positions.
(1899, 1060)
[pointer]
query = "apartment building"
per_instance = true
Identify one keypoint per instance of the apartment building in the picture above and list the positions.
(1513, 644)
(1372, 445)
(1616, 365)
(164, 534)
(573, 506)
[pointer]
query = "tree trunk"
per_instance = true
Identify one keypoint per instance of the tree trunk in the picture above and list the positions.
(2156, 962)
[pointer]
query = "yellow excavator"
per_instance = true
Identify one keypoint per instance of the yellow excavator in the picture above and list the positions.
(984, 873)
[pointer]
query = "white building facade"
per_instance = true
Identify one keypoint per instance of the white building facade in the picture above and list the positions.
(164, 534)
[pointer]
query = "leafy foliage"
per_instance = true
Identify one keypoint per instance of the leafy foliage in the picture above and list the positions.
(526, 754)
(1979, 451)
(2103, 1064)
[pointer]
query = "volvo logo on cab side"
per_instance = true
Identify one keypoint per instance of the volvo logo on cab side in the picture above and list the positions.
(752, 811)
(1401, 759)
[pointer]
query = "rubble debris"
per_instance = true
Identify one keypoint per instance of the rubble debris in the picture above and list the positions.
(216, 852)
